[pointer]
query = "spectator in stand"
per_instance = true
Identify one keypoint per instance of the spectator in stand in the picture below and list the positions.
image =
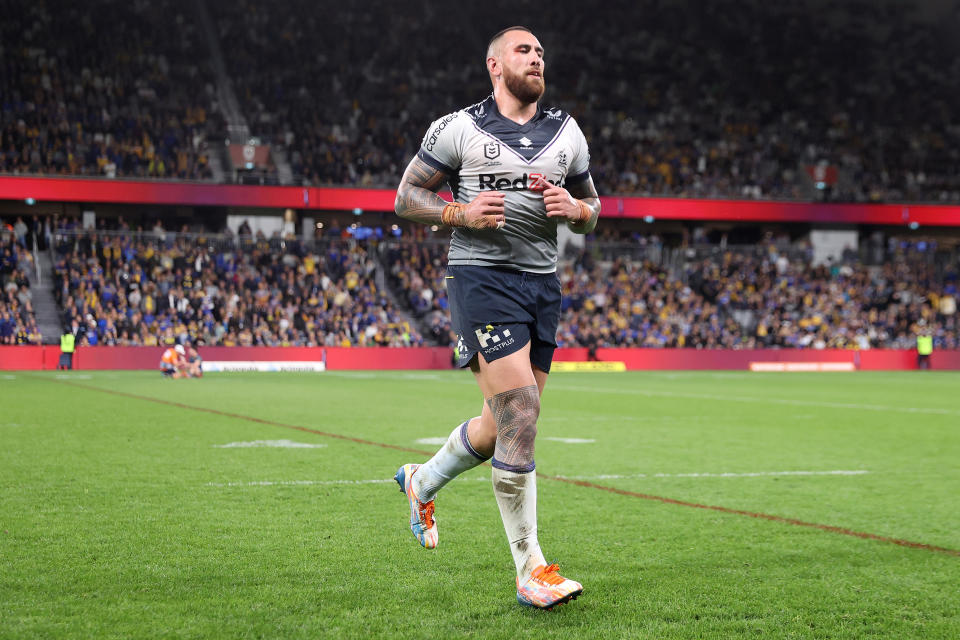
(107, 91)
(18, 323)
(140, 290)
(763, 298)
(668, 118)
(676, 110)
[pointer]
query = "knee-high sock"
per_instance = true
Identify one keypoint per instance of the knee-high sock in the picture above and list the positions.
(455, 456)
(516, 495)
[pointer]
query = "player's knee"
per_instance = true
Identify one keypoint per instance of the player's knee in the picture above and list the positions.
(483, 425)
(516, 412)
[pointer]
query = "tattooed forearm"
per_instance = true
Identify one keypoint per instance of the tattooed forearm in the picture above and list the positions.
(416, 198)
(516, 412)
(586, 193)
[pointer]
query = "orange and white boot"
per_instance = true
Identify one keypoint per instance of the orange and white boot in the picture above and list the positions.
(422, 523)
(546, 588)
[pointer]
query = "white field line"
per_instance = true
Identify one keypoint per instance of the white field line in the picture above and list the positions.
(278, 444)
(296, 483)
(754, 399)
(389, 375)
(702, 396)
(439, 441)
(756, 474)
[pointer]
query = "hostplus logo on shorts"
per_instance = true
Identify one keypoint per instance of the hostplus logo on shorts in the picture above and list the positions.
(491, 340)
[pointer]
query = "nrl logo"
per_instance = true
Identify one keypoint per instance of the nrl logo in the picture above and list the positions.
(491, 150)
(562, 159)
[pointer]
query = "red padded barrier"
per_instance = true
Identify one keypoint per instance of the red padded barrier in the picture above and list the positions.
(345, 199)
(35, 358)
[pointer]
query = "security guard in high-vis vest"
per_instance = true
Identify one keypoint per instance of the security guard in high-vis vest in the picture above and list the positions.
(924, 349)
(67, 345)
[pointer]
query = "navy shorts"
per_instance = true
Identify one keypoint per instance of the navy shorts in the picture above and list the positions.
(497, 311)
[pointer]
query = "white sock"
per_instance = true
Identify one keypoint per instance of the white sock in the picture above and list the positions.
(516, 495)
(455, 456)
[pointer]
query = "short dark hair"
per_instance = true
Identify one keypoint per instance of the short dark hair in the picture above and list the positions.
(503, 31)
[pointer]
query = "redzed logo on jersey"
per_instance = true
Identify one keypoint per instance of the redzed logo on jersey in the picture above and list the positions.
(533, 182)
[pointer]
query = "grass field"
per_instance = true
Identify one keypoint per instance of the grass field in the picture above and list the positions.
(123, 515)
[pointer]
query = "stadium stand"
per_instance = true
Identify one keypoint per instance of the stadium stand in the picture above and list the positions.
(792, 303)
(684, 116)
(112, 89)
(416, 273)
(630, 290)
(132, 288)
(624, 289)
(759, 297)
(18, 325)
(670, 108)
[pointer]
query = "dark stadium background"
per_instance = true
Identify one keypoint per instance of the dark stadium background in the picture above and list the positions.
(776, 176)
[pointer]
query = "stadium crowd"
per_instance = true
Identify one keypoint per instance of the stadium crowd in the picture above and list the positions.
(693, 99)
(110, 89)
(416, 273)
(766, 296)
(625, 289)
(758, 298)
(18, 325)
(136, 287)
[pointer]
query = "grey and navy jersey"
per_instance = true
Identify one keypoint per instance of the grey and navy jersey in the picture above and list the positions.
(479, 149)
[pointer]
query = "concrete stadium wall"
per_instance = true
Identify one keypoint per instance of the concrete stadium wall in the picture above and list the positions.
(40, 358)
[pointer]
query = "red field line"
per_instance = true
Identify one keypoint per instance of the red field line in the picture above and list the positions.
(579, 483)
(240, 416)
(763, 516)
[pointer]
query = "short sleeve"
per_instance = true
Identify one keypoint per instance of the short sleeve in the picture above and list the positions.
(580, 163)
(441, 147)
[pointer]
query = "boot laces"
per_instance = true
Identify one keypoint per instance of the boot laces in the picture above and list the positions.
(548, 574)
(425, 511)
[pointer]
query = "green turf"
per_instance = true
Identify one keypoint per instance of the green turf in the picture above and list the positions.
(120, 518)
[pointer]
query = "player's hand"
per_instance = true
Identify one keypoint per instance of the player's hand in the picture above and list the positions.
(484, 212)
(560, 204)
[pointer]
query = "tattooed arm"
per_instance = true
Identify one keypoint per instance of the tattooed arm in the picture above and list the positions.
(417, 200)
(580, 205)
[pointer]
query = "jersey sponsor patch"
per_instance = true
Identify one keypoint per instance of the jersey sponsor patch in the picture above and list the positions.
(430, 140)
(533, 182)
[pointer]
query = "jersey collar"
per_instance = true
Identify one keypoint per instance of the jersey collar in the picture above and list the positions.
(486, 113)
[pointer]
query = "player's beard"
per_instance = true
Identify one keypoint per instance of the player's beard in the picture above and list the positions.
(525, 88)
